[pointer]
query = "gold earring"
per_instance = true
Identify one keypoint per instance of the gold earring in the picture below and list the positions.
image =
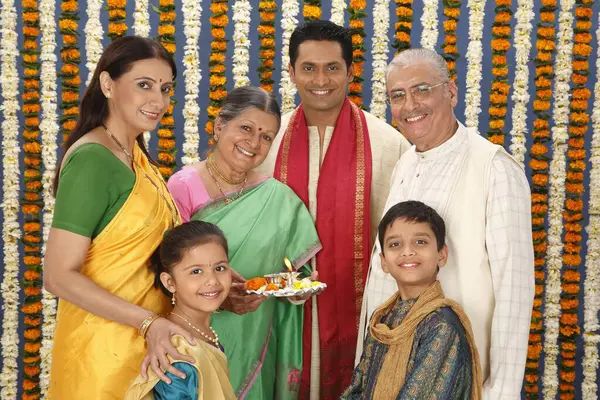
(173, 299)
(108, 95)
(216, 138)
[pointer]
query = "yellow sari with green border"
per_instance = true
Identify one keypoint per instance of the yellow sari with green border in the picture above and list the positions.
(92, 357)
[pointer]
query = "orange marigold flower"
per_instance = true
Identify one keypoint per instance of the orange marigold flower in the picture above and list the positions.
(69, 125)
(503, 17)
(544, 56)
(311, 12)
(32, 291)
(166, 144)
(358, 4)
(266, 30)
(32, 147)
(538, 235)
(541, 105)
(31, 84)
(267, 86)
(534, 350)
(267, 53)
(32, 371)
(531, 378)
(31, 360)
(539, 290)
(575, 176)
(539, 208)
(408, 12)
(543, 82)
(218, 94)
(31, 249)
(537, 302)
(539, 275)
(581, 65)
(67, 24)
(583, 25)
(32, 334)
(116, 3)
(69, 96)
(29, 96)
(449, 25)
(170, 47)
(166, 157)
(498, 59)
(33, 308)
(167, 120)
(547, 17)
(570, 288)
(571, 260)
(498, 111)
(570, 330)
(32, 261)
(266, 75)
(166, 30)
(69, 69)
(584, 12)
(218, 8)
(209, 127)
(168, 16)
(31, 108)
(216, 80)
(496, 124)
(165, 171)
(452, 12)
(406, 24)
(577, 164)
(576, 188)
(355, 87)
(569, 319)
(357, 40)
(31, 275)
(450, 39)
(357, 24)
(117, 14)
(69, 40)
(499, 99)
(217, 57)
(267, 42)
(545, 45)
(27, 384)
(582, 50)
(540, 179)
(582, 93)
(539, 197)
(569, 304)
(496, 139)
(500, 44)
(538, 164)
(268, 63)
(213, 111)
(496, 71)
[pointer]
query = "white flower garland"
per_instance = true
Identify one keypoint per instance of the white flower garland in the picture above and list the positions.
(49, 131)
(337, 12)
(11, 231)
(287, 90)
(474, 63)
(141, 18)
(558, 175)
(381, 24)
(591, 292)
(192, 13)
(429, 21)
(241, 42)
(93, 37)
(520, 96)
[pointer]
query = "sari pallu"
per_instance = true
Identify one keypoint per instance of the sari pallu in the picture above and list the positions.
(264, 348)
(92, 357)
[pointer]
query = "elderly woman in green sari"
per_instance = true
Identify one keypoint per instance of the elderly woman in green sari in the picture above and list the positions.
(264, 221)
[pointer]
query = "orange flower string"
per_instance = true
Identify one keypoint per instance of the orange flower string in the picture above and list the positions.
(166, 36)
(266, 35)
(357, 26)
(70, 80)
(311, 10)
(500, 89)
(545, 46)
(404, 25)
(450, 51)
(218, 80)
(116, 17)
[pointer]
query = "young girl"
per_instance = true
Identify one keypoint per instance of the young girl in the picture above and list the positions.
(192, 268)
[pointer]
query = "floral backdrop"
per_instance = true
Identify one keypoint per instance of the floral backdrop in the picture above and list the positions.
(528, 78)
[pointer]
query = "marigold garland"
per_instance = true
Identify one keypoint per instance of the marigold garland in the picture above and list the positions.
(116, 17)
(578, 126)
(539, 188)
(266, 35)
(68, 23)
(218, 81)
(403, 27)
(166, 129)
(500, 88)
(357, 28)
(449, 48)
(32, 202)
(311, 10)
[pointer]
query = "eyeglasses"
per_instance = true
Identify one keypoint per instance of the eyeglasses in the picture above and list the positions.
(419, 93)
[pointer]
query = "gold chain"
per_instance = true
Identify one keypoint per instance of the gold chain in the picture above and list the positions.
(214, 340)
(227, 199)
(211, 162)
(173, 212)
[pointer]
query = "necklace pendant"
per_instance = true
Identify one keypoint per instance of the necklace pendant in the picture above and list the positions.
(228, 201)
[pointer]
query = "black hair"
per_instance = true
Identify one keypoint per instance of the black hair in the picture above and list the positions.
(177, 241)
(414, 211)
(242, 98)
(321, 31)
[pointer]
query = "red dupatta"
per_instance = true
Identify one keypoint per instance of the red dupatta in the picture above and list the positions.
(343, 224)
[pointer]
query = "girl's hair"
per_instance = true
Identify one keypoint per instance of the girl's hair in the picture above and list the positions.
(117, 59)
(177, 241)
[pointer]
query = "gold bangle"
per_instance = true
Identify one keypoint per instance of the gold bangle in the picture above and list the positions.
(146, 324)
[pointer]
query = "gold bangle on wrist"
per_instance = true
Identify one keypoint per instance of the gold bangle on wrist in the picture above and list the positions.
(146, 324)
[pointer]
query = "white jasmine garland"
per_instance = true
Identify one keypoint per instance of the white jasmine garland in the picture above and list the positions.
(192, 13)
(289, 20)
(93, 37)
(563, 68)
(11, 231)
(591, 290)
(429, 21)
(520, 96)
(241, 42)
(381, 24)
(49, 132)
(337, 12)
(474, 63)
(141, 18)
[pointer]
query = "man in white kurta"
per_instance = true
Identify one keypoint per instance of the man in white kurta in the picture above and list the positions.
(483, 195)
(320, 55)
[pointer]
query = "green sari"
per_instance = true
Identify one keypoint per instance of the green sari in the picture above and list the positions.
(264, 348)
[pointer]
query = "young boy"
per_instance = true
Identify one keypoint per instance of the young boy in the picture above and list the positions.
(420, 344)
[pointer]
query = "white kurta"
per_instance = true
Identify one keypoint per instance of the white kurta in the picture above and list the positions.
(430, 177)
(387, 144)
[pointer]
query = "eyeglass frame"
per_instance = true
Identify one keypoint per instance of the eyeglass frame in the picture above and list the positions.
(388, 100)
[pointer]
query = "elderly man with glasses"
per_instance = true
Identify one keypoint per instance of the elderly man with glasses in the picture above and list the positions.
(483, 196)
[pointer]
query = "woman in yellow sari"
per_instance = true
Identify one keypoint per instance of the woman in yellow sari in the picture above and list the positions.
(112, 208)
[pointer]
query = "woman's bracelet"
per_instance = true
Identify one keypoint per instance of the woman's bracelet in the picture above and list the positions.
(146, 324)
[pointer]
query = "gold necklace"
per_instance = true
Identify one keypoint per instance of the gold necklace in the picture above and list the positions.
(214, 340)
(227, 200)
(130, 157)
(213, 165)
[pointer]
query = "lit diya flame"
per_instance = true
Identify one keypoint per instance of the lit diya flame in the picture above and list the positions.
(288, 264)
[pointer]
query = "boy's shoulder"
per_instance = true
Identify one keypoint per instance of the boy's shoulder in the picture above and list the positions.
(442, 321)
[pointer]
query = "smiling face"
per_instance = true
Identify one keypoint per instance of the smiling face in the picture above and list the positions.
(139, 97)
(244, 142)
(427, 121)
(410, 254)
(321, 75)
(201, 280)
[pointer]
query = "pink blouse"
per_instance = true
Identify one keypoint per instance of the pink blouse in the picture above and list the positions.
(188, 191)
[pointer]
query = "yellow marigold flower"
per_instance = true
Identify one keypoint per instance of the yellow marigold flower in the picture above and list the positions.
(69, 6)
(31, 16)
(267, 42)
(217, 57)
(167, 120)
(268, 53)
(213, 111)
(266, 5)
(216, 80)
(496, 124)
(267, 86)
(310, 11)
(170, 47)
(67, 24)
(405, 24)
(450, 25)
(217, 8)
(357, 24)
(218, 45)
(358, 4)
(403, 37)
(266, 75)
(266, 30)
(69, 125)
(209, 127)
(69, 40)
(218, 94)
(219, 21)
(267, 16)
(500, 44)
(166, 30)
(501, 30)
(452, 12)
(497, 139)
(35, 122)
(218, 33)
(166, 3)
(117, 14)
(357, 40)
(167, 16)
(166, 144)
(117, 28)
(30, 45)
(166, 158)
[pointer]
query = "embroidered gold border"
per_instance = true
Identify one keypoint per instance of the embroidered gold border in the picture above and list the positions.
(285, 151)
